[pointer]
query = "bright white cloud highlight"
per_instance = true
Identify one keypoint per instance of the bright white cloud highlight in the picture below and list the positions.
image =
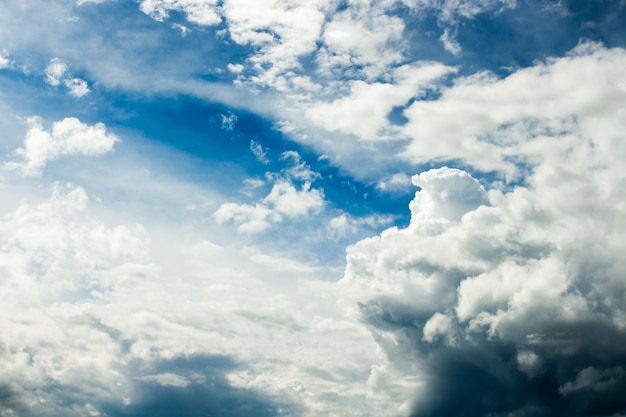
(67, 137)
(5, 62)
(284, 200)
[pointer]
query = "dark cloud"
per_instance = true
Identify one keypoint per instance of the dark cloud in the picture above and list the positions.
(198, 387)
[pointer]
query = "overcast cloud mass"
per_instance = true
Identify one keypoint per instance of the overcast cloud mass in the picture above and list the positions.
(396, 208)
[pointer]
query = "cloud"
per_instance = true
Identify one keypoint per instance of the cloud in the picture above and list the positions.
(515, 291)
(258, 151)
(5, 62)
(78, 88)
(229, 120)
(364, 111)
(106, 318)
(66, 137)
(57, 73)
(199, 12)
(362, 40)
(518, 116)
(284, 200)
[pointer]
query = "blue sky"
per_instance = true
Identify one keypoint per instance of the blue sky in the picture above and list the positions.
(312, 208)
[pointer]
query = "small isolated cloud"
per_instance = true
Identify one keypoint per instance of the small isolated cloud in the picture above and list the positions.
(67, 137)
(57, 73)
(78, 88)
(258, 151)
(228, 121)
(450, 43)
(235, 68)
(184, 30)
(5, 62)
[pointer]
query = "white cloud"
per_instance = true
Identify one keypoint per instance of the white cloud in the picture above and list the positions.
(532, 269)
(362, 40)
(396, 181)
(55, 71)
(283, 200)
(199, 12)
(365, 110)
(5, 62)
(258, 151)
(488, 122)
(100, 310)
(66, 137)
(450, 44)
(235, 68)
(78, 88)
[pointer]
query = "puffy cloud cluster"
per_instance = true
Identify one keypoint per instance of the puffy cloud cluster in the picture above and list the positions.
(57, 73)
(66, 137)
(291, 195)
(511, 302)
(283, 200)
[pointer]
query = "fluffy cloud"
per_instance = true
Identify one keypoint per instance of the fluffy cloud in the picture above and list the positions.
(66, 137)
(520, 292)
(284, 200)
(362, 40)
(365, 110)
(493, 123)
(78, 88)
(57, 73)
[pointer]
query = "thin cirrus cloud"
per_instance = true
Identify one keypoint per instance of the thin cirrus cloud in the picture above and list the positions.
(253, 247)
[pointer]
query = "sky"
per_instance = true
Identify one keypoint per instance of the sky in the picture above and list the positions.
(344, 208)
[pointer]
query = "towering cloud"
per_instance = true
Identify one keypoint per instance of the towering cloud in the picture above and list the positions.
(503, 303)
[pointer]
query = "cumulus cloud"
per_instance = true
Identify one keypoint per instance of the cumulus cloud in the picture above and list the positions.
(78, 88)
(364, 111)
(516, 291)
(66, 137)
(292, 195)
(519, 116)
(57, 73)
(284, 200)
